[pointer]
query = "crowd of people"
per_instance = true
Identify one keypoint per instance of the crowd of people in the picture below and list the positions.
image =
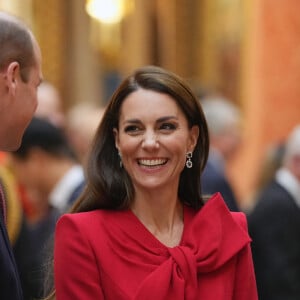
(132, 201)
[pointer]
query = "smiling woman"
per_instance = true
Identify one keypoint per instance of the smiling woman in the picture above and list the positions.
(140, 230)
(153, 138)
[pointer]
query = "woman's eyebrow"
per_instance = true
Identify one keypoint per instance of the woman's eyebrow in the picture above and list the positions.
(159, 120)
(132, 121)
(167, 118)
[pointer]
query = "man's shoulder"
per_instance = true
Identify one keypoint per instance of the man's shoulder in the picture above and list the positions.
(273, 194)
(9, 279)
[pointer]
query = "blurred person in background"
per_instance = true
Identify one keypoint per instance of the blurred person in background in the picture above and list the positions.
(49, 108)
(47, 166)
(224, 125)
(271, 162)
(82, 121)
(274, 225)
(50, 105)
(20, 76)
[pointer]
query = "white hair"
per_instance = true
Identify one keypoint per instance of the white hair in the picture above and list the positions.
(292, 147)
(220, 114)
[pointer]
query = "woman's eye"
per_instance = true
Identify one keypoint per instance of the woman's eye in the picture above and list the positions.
(131, 129)
(168, 126)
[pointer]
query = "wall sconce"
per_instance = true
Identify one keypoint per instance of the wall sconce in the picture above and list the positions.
(108, 11)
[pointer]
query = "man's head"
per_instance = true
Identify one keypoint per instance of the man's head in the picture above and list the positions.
(44, 147)
(291, 159)
(224, 124)
(20, 75)
(50, 104)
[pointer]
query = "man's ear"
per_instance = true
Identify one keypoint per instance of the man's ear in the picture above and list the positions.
(12, 76)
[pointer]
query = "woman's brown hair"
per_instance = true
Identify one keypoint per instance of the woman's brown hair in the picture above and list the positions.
(108, 185)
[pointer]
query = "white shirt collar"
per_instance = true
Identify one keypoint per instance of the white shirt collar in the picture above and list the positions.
(286, 179)
(60, 194)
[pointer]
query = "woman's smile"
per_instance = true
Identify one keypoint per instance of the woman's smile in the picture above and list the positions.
(153, 162)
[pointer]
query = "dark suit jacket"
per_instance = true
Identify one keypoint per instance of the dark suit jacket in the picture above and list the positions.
(10, 287)
(32, 251)
(213, 180)
(274, 226)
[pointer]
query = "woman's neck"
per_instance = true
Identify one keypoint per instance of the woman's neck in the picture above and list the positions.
(161, 214)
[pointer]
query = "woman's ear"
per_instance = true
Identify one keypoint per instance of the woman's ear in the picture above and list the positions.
(194, 135)
(116, 135)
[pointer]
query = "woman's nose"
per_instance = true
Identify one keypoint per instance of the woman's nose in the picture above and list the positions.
(150, 140)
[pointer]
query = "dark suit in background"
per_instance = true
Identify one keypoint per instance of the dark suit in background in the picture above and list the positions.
(274, 226)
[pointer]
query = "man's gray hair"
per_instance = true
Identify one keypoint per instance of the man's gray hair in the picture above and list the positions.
(220, 114)
(292, 147)
(16, 44)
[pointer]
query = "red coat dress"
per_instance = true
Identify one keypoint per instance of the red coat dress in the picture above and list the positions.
(111, 255)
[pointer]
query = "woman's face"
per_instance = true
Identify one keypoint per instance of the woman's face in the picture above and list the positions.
(153, 138)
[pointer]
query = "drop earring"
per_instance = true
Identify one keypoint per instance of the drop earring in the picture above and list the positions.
(189, 162)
